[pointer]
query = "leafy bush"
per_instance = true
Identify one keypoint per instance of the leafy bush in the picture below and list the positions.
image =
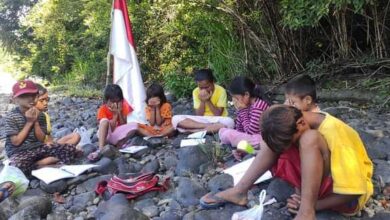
(181, 85)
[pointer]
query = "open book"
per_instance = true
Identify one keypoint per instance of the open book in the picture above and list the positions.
(132, 149)
(194, 139)
(237, 171)
(51, 174)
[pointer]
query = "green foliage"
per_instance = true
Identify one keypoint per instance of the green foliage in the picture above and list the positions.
(66, 41)
(297, 14)
(181, 85)
(176, 37)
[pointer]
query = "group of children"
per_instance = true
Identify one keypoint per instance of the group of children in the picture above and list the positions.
(313, 151)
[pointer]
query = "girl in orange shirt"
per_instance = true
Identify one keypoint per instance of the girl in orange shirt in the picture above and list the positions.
(112, 117)
(158, 113)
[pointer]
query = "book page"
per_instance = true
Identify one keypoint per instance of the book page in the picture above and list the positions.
(132, 149)
(50, 174)
(237, 171)
(192, 142)
(77, 169)
(197, 135)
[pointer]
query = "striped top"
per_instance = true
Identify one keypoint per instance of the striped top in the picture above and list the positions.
(14, 123)
(248, 119)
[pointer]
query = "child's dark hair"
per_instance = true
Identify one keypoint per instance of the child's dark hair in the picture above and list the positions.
(204, 74)
(302, 85)
(156, 90)
(240, 85)
(278, 126)
(41, 90)
(112, 92)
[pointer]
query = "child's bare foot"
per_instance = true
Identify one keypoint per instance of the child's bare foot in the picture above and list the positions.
(230, 195)
(306, 216)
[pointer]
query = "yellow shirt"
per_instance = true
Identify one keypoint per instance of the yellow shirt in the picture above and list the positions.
(48, 126)
(219, 99)
(351, 168)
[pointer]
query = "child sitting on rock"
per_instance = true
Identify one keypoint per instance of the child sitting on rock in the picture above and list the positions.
(112, 117)
(249, 101)
(210, 104)
(334, 169)
(158, 113)
(26, 129)
(300, 92)
(42, 105)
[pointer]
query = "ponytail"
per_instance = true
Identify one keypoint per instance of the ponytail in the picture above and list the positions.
(259, 92)
(240, 85)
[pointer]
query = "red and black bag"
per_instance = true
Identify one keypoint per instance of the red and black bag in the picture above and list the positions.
(132, 186)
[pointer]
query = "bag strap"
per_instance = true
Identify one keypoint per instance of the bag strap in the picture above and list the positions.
(133, 180)
(262, 196)
(156, 183)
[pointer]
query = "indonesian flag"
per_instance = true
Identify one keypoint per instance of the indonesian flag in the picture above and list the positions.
(127, 72)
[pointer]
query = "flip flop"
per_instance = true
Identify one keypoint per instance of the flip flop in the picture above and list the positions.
(94, 159)
(219, 202)
(5, 191)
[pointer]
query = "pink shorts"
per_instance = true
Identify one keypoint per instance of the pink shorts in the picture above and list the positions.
(226, 121)
(233, 137)
(120, 132)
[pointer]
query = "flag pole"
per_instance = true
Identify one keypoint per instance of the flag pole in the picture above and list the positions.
(110, 69)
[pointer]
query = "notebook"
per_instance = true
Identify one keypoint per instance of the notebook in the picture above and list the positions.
(132, 149)
(237, 171)
(194, 139)
(51, 174)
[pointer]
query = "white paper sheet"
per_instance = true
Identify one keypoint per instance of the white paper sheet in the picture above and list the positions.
(197, 135)
(237, 171)
(51, 174)
(192, 142)
(77, 169)
(132, 149)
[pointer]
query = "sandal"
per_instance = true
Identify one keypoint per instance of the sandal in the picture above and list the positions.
(6, 191)
(94, 156)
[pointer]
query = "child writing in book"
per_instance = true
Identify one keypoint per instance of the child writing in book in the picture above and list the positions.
(112, 117)
(158, 113)
(42, 105)
(25, 128)
(210, 104)
(301, 93)
(250, 102)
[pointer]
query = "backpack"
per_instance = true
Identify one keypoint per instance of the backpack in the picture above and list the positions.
(132, 186)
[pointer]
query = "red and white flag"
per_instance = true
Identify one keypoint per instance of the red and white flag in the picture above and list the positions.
(127, 73)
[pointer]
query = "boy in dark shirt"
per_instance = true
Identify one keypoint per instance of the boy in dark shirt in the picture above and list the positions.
(26, 130)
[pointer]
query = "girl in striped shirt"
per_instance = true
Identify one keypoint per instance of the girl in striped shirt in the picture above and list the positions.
(250, 102)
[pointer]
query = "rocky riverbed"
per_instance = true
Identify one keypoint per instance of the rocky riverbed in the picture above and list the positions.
(193, 171)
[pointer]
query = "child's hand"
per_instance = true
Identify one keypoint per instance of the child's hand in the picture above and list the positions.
(238, 104)
(294, 202)
(154, 101)
(32, 114)
(204, 95)
(114, 108)
(119, 105)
